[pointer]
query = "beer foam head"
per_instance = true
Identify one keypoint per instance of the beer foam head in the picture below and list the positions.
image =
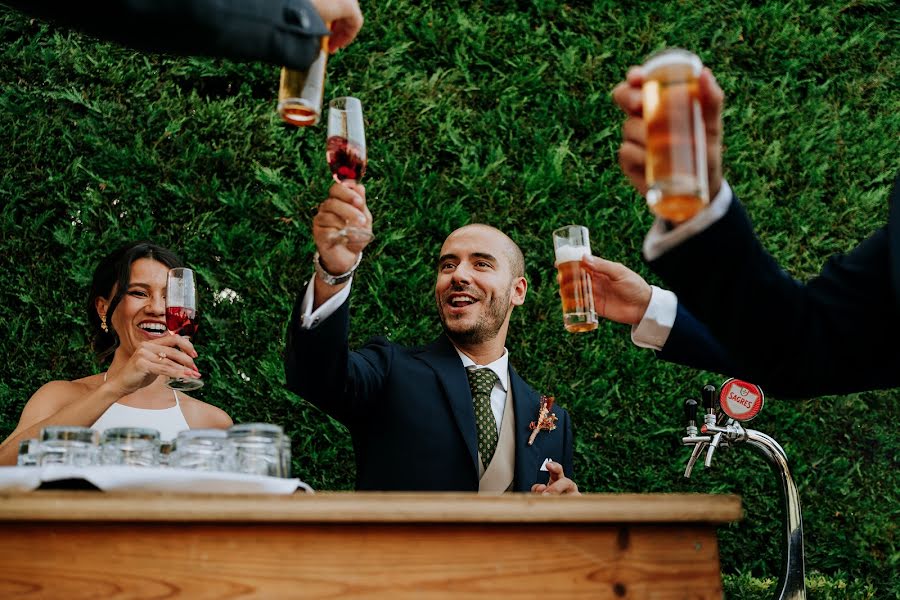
(673, 57)
(570, 253)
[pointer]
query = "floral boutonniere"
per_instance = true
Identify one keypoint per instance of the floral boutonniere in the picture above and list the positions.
(546, 419)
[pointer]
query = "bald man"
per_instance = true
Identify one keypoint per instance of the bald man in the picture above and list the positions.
(452, 415)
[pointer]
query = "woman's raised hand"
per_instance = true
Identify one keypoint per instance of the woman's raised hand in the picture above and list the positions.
(170, 356)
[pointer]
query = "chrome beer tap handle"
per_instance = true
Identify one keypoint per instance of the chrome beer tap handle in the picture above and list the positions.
(692, 439)
(698, 449)
(713, 446)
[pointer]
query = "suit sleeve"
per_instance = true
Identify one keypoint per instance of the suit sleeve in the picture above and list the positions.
(568, 461)
(827, 336)
(691, 344)
(320, 367)
(280, 32)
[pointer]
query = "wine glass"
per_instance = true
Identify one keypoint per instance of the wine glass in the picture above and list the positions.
(181, 316)
(345, 151)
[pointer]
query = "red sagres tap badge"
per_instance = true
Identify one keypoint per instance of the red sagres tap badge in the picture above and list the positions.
(546, 419)
(741, 400)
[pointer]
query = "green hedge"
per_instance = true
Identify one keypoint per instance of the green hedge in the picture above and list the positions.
(497, 112)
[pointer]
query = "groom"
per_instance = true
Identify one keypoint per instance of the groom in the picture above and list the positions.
(451, 415)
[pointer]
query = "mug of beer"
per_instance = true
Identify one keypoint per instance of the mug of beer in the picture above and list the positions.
(570, 243)
(676, 139)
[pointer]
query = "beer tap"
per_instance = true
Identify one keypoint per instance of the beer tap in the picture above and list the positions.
(740, 401)
(699, 442)
(708, 394)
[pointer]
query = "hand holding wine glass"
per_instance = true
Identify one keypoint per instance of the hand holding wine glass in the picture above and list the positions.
(346, 154)
(181, 315)
(346, 204)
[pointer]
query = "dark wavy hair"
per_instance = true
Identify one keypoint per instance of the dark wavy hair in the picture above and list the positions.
(114, 273)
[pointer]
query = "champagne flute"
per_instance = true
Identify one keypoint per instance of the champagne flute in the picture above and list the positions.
(345, 151)
(181, 316)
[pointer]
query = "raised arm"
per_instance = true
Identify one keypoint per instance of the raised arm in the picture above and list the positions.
(81, 403)
(279, 32)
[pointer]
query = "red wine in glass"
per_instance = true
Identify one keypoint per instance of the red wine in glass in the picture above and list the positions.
(345, 151)
(181, 321)
(345, 158)
(181, 316)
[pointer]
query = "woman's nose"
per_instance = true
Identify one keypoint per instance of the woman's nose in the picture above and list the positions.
(158, 304)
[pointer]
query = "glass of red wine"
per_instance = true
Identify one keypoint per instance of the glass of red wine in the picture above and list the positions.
(346, 154)
(181, 315)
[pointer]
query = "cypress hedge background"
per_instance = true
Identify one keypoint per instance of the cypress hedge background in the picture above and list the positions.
(496, 112)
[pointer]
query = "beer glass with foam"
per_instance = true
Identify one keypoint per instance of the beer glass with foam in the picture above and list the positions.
(676, 139)
(570, 243)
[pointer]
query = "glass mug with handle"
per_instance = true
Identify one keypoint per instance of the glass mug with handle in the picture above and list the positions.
(570, 243)
(676, 135)
(181, 316)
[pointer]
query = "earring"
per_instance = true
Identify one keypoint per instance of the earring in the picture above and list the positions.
(103, 324)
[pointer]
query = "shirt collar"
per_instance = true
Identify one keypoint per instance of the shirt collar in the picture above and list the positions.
(499, 366)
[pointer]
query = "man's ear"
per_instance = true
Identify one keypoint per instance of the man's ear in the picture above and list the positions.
(519, 290)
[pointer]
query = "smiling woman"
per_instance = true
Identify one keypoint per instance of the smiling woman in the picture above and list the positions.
(126, 311)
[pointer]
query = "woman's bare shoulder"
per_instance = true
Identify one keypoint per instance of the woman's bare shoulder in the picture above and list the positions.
(65, 391)
(55, 395)
(201, 415)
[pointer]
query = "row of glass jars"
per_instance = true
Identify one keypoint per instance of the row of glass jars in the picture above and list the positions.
(254, 448)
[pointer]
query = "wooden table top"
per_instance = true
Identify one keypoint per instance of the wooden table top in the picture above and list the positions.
(372, 507)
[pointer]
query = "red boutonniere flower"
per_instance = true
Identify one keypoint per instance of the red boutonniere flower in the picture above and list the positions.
(546, 419)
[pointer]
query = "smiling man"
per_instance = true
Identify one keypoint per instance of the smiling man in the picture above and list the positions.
(451, 415)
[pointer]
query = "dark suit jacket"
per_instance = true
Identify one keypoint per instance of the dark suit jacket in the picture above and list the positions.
(409, 410)
(280, 32)
(838, 333)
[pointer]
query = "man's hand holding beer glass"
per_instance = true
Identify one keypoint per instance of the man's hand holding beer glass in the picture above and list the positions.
(629, 96)
(345, 205)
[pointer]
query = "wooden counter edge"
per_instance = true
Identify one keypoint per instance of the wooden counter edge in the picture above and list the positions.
(372, 507)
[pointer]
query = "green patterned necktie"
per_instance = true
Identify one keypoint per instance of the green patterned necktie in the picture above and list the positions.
(482, 381)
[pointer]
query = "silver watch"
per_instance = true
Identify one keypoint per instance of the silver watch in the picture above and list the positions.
(328, 277)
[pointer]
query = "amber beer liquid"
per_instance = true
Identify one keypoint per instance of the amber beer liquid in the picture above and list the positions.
(570, 244)
(300, 92)
(676, 139)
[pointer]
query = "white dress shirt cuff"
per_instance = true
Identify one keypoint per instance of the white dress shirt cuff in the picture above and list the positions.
(653, 330)
(310, 318)
(659, 241)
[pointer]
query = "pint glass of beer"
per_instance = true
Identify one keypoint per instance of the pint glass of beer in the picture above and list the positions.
(676, 138)
(570, 243)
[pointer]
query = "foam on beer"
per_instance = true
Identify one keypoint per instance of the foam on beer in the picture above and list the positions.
(673, 57)
(570, 253)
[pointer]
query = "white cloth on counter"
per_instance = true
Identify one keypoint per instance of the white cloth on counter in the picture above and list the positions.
(150, 479)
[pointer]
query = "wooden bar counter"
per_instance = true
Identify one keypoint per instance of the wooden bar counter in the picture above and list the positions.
(82, 544)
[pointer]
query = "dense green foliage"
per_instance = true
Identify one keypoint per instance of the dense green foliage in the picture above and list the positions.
(497, 112)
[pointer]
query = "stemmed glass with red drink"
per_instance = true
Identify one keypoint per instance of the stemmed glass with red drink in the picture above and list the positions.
(181, 315)
(346, 154)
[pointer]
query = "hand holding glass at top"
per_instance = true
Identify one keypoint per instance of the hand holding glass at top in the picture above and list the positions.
(342, 226)
(672, 139)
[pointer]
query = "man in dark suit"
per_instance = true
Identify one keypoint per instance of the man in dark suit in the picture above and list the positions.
(741, 313)
(279, 32)
(450, 415)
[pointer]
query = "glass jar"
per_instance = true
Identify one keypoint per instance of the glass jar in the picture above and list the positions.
(201, 450)
(29, 453)
(256, 449)
(68, 445)
(133, 446)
